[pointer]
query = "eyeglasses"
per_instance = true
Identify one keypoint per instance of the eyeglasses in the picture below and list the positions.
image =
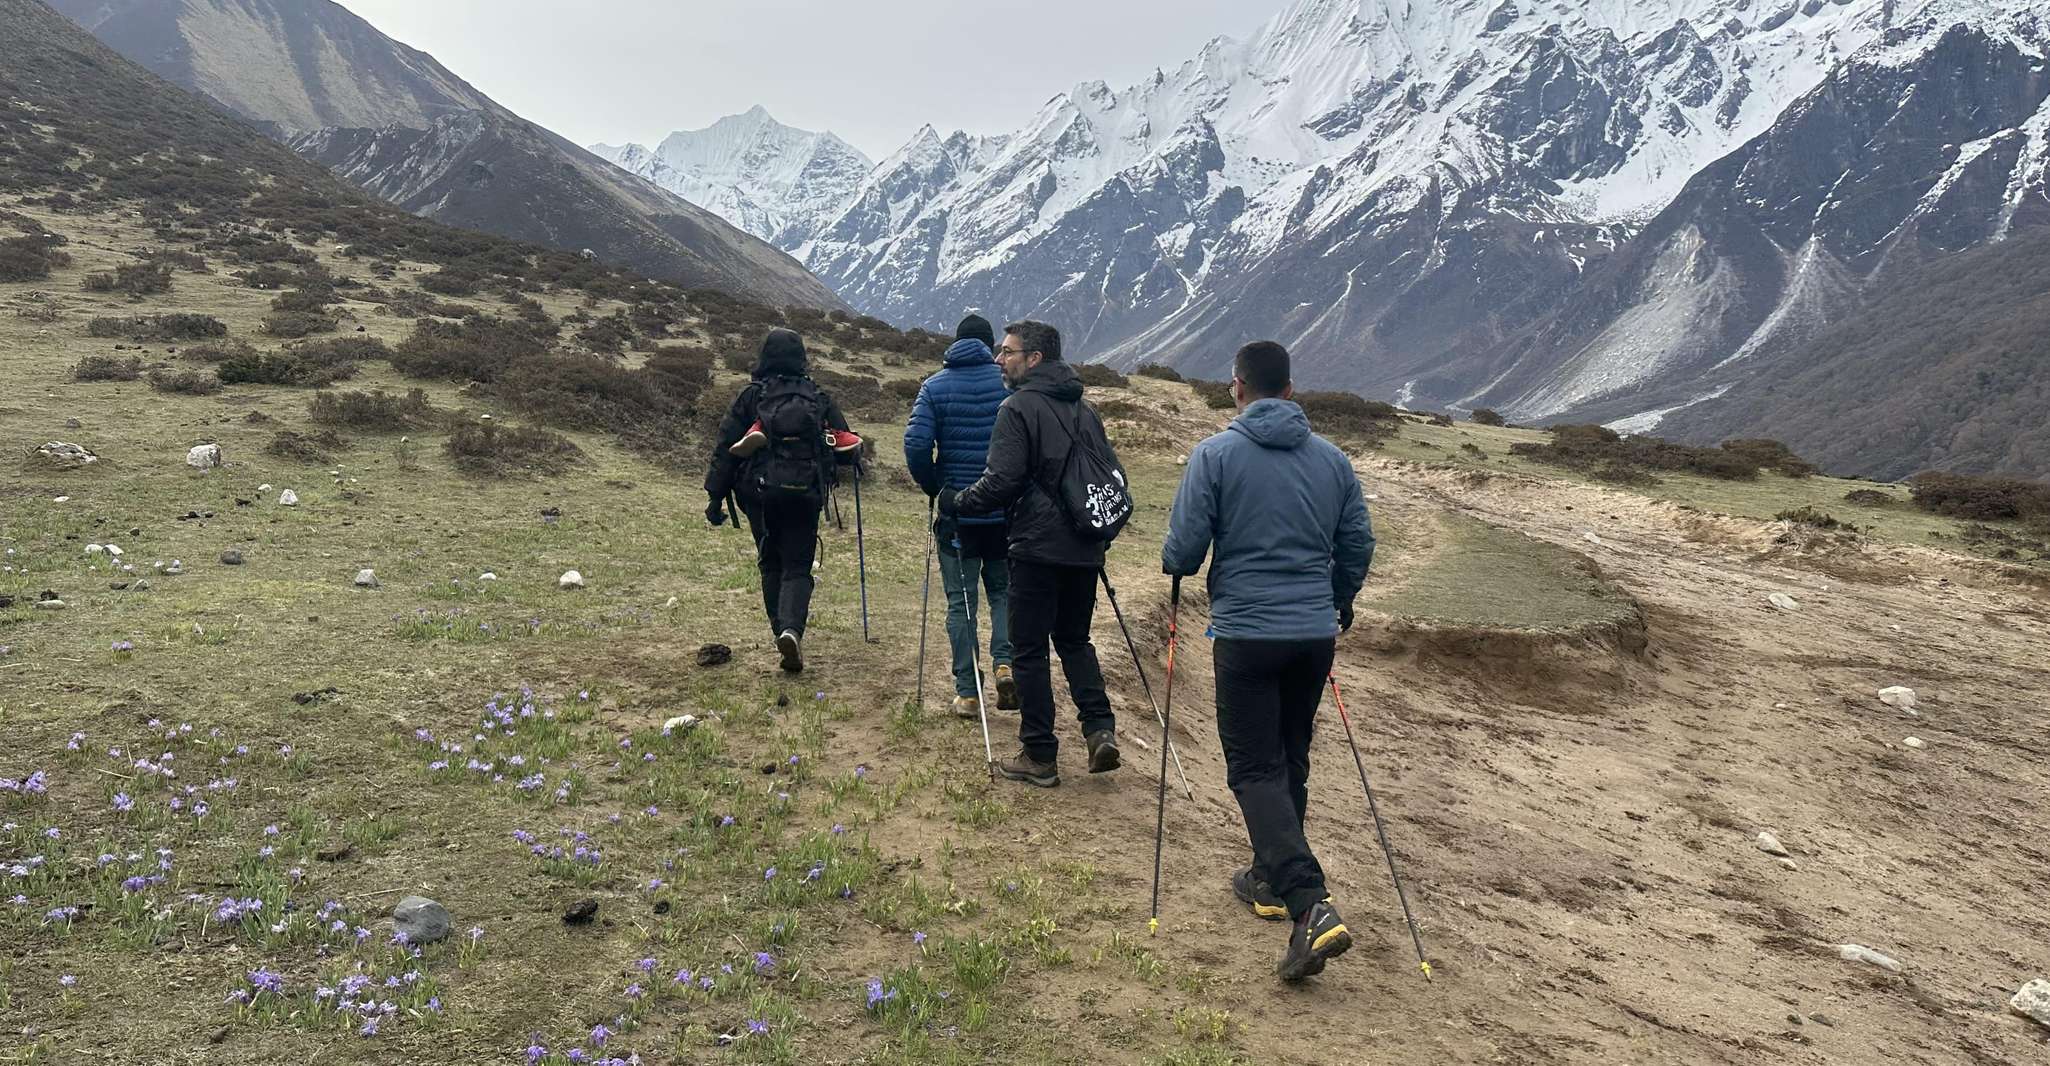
(1007, 351)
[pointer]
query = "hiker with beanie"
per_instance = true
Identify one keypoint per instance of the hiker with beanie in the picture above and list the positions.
(946, 446)
(1281, 514)
(1053, 567)
(776, 453)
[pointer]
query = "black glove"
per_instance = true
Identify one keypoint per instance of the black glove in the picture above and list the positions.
(947, 499)
(1345, 618)
(715, 512)
(932, 490)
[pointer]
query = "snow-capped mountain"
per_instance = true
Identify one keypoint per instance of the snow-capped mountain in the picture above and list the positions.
(1561, 208)
(774, 181)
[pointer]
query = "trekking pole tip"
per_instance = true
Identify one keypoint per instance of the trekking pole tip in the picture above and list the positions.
(1153, 926)
(1427, 971)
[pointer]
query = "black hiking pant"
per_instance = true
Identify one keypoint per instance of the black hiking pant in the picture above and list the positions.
(786, 531)
(1268, 692)
(1057, 604)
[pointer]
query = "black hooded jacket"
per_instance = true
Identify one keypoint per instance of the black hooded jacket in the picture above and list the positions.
(1034, 431)
(782, 355)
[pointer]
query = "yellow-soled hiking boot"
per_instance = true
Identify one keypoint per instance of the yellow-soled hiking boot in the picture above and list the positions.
(1254, 892)
(1007, 690)
(1320, 935)
(967, 707)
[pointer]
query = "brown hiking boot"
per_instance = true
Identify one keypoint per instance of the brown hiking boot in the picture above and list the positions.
(967, 707)
(1023, 767)
(1103, 751)
(1007, 690)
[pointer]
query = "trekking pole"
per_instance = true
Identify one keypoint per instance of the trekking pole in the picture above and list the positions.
(1174, 610)
(925, 602)
(1146, 685)
(861, 554)
(968, 607)
(1381, 830)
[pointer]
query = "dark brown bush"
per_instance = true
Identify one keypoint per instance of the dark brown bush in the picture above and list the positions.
(1215, 394)
(375, 410)
(855, 393)
(453, 281)
(134, 279)
(479, 348)
(29, 259)
(107, 368)
(174, 327)
(1099, 376)
(1772, 455)
(311, 299)
(285, 368)
(488, 449)
(291, 325)
(1808, 515)
(268, 276)
(1983, 499)
(1597, 448)
(343, 350)
(317, 448)
(1869, 498)
(1347, 414)
(187, 382)
(192, 262)
(218, 351)
(739, 362)
(607, 335)
(1159, 372)
(906, 389)
(1488, 416)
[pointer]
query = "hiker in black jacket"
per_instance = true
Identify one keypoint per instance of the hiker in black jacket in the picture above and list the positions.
(1053, 570)
(776, 454)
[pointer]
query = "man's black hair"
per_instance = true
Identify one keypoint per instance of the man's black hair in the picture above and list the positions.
(1263, 366)
(1037, 337)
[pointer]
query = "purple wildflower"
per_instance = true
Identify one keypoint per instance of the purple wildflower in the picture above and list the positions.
(122, 802)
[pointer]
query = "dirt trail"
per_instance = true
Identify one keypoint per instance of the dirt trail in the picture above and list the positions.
(1580, 848)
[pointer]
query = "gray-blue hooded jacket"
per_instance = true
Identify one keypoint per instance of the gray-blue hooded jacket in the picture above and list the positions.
(1286, 514)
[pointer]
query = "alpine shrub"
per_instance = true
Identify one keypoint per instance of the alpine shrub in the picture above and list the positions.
(107, 368)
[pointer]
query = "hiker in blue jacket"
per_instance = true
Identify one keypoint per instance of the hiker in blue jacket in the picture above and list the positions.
(946, 447)
(1280, 511)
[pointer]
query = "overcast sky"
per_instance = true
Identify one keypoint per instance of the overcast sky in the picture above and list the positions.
(872, 71)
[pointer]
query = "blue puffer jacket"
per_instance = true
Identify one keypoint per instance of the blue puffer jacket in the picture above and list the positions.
(1285, 513)
(954, 416)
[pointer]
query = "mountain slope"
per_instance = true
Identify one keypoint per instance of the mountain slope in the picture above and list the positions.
(395, 121)
(772, 180)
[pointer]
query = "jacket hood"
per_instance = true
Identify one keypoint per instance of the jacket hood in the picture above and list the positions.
(1274, 424)
(782, 355)
(1055, 378)
(969, 351)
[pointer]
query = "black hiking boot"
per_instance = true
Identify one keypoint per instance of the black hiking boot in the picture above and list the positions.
(792, 648)
(1254, 892)
(1023, 767)
(1318, 936)
(1103, 751)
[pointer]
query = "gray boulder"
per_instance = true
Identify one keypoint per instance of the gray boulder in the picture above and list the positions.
(421, 920)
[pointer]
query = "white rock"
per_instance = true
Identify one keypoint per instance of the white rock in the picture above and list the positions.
(204, 457)
(1914, 742)
(1898, 696)
(670, 605)
(1783, 601)
(1181, 460)
(1771, 845)
(2033, 1002)
(94, 549)
(684, 722)
(570, 579)
(1592, 539)
(75, 454)
(114, 550)
(288, 498)
(1860, 953)
(61, 499)
(366, 579)
(265, 487)
(1789, 864)
(51, 605)
(487, 576)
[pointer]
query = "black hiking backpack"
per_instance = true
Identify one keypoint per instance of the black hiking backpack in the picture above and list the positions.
(796, 462)
(1092, 492)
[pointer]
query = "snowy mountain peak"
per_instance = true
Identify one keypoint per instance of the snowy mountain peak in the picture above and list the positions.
(773, 180)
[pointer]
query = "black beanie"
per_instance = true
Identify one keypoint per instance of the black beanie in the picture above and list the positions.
(782, 353)
(977, 327)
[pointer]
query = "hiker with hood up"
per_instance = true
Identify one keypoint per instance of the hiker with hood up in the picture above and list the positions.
(1281, 514)
(776, 455)
(946, 446)
(1053, 568)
